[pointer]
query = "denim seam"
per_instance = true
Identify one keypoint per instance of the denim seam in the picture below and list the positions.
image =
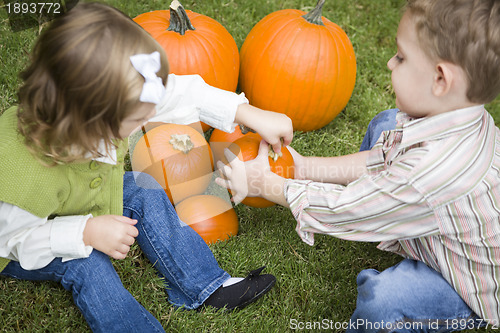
(204, 294)
(157, 254)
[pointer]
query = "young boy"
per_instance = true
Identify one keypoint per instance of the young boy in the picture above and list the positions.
(428, 189)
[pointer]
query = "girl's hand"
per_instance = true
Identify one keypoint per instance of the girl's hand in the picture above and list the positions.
(110, 234)
(244, 179)
(275, 128)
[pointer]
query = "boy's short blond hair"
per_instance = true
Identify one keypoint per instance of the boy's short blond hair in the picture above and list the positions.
(81, 84)
(465, 33)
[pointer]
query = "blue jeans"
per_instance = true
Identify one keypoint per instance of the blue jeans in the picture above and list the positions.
(410, 296)
(179, 254)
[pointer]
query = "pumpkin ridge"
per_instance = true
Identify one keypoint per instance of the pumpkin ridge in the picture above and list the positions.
(309, 100)
(333, 95)
(260, 56)
(282, 62)
(203, 45)
(346, 69)
(216, 55)
(263, 54)
(299, 71)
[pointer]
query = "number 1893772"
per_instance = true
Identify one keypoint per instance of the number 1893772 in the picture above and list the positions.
(33, 8)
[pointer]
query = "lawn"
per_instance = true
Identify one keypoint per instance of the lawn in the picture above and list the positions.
(314, 284)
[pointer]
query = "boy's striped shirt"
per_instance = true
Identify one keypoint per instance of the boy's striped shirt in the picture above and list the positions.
(432, 193)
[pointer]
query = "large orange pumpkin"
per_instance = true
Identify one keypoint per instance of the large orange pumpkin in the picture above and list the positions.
(211, 217)
(247, 148)
(299, 64)
(195, 44)
(178, 157)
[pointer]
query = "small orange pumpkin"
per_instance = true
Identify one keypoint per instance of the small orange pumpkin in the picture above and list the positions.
(195, 44)
(220, 140)
(178, 157)
(247, 148)
(199, 126)
(211, 217)
(300, 65)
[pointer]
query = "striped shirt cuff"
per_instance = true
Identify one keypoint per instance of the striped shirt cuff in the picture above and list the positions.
(296, 195)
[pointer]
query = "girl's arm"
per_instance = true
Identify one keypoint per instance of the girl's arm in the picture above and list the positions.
(35, 242)
(189, 99)
(275, 128)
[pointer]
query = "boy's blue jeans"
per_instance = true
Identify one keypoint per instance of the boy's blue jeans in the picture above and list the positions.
(410, 296)
(178, 253)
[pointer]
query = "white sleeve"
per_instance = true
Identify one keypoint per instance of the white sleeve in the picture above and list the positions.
(189, 99)
(34, 242)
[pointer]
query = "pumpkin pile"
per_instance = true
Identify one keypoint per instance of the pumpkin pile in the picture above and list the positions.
(292, 62)
(180, 160)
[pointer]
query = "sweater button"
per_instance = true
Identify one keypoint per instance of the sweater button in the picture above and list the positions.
(96, 182)
(94, 165)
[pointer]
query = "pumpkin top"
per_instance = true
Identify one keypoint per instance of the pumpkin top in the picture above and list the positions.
(179, 20)
(314, 16)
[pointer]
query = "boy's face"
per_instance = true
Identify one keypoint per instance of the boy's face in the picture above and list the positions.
(131, 123)
(412, 72)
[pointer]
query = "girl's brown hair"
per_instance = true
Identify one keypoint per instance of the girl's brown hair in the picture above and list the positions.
(465, 33)
(81, 84)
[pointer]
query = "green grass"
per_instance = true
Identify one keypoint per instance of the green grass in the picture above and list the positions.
(313, 283)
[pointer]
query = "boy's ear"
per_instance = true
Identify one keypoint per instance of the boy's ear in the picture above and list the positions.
(443, 79)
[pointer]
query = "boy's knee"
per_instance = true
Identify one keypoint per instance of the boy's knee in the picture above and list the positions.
(378, 300)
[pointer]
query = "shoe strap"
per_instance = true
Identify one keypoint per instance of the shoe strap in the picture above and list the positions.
(256, 272)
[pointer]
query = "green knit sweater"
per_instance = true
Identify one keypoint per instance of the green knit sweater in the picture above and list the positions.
(70, 189)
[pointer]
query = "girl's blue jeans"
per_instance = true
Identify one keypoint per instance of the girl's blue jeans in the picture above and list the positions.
(410, 296)
(177, 252)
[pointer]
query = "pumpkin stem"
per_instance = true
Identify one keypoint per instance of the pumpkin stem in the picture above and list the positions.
(179, 20)
(314, 16)
(245, 129)
(272, 154)
(181, 142)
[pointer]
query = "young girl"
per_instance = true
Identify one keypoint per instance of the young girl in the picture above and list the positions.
(66, 203)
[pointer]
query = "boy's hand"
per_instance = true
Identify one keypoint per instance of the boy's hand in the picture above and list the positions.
(244, 178)
(275, 128)
(110, 234)
(300, 164)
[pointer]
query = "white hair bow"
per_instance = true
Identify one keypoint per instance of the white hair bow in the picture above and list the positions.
(148, 65)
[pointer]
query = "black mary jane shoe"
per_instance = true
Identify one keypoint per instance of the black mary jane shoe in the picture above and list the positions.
(240, 294)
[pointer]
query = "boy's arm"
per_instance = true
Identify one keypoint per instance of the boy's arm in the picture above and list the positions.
(373, 208)
(337, 170)
(254, 178)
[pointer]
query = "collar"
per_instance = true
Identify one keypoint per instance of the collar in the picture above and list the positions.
(108, 156)
(416, 130)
